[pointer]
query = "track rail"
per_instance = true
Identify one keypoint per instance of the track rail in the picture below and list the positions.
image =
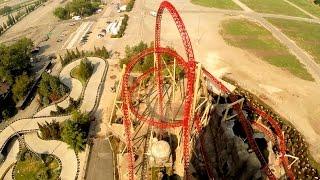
(189, 67)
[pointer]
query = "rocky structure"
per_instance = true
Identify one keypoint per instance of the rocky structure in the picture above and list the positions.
(228, 154)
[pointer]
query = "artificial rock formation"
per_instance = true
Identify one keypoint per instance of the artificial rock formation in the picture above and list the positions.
(228, 154)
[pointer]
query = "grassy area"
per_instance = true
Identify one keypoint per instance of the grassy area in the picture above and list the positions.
(306, 35)
(274, 7)
(222, 4)
(32, 168)
(308, 5)
(155, 171)
(75, 73)
(259, 41)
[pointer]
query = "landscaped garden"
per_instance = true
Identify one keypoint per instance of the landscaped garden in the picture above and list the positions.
(259, 41)
(32, 166)
(83, 72)
(73, 131)
(50, 89)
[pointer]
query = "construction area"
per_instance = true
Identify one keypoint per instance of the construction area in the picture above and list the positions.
(177, 120)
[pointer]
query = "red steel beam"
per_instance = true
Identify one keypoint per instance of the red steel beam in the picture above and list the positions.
(190, 73)
(189, 66)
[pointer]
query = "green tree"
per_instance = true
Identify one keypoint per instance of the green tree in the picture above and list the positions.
(5, 10)
(16, 57)
(9, 20)
(21, 87)
(5, 75)
(61, 13)
(50, 130)
(317, 2)
(73, 135)
(51, 87)
(76, 7)
(85, 69)
(75, 130)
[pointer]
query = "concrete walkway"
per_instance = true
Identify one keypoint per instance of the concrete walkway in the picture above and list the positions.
(11, 157)
(100, 164)
(74, 85)
(66, 155)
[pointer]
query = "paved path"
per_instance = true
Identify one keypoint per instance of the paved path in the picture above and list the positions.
(100, 164)
(60, 149)
(11, 156)
(74, 85)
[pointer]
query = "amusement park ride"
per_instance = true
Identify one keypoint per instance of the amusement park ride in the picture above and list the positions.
(181, 102)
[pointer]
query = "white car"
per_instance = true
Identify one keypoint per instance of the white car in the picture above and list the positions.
(77, 18)
(153, 13)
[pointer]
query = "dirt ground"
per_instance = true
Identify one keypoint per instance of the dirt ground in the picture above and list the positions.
(13, 2)
(40, 24)
(295, 99)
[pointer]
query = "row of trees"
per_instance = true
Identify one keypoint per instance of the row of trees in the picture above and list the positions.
(5, 10)
(85, 70)
(14, 72)
(73, 131)
(73, 106)
(130, 5)
(123, 27)
(11, 20)
(148, 61)
(50, 89)
(73, 55)
(76, 8)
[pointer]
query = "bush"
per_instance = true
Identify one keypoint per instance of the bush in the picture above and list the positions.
(317, 2)
(42, 174)
(51, 88)
(21, 87)
(77, 8)
(73, 55)
(75, 131)
(50, 130)
(85, 69)
(130, 5)
(21, 154)
(148, 61)
(61, 13)
(73, 106)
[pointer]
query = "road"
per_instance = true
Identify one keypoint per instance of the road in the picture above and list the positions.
(100, 166)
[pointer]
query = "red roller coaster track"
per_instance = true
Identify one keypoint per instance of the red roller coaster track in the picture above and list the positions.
(189, 67)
